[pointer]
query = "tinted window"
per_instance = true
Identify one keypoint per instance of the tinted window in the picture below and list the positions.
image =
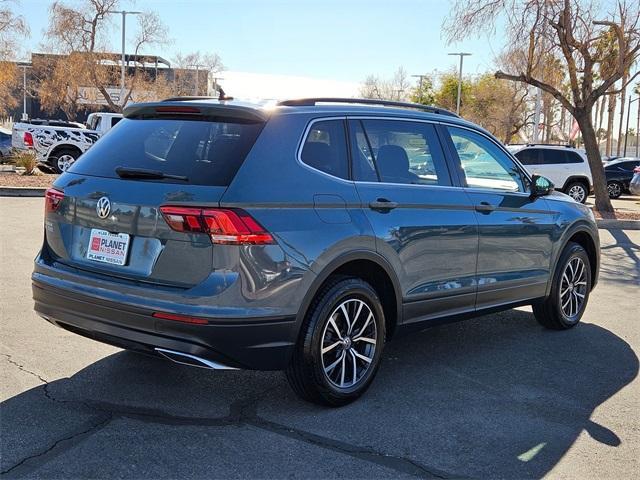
(115, 120)
(207, 153)
(552, 156)
(629, 166)
(573, 157)
(397, 152)
(528, 156)
(325, 148)
(483, 163)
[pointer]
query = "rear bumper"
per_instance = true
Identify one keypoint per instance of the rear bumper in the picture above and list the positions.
(248, 343)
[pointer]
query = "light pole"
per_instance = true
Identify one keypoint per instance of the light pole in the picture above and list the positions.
(215, 83)
(124, 14)
(421, 79)
(197, 65)
(626, 134)
(24, 91)
(461, 55)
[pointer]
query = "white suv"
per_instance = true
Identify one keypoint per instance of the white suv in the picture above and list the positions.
(566, 167)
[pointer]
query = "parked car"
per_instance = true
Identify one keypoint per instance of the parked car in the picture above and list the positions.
(619, 173)
(566, 167)
(634, 185)
(303, 236)
(59, 144)
(5, 142)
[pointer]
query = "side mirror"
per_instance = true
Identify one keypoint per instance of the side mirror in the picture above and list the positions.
(540, 186)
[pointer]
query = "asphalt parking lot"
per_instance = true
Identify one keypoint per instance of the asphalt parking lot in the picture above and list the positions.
(493, 397)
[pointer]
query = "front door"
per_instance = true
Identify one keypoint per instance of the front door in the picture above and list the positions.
(424, 227)
(515, 230)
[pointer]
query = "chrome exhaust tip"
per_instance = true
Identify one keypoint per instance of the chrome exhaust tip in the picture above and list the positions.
(192, 360)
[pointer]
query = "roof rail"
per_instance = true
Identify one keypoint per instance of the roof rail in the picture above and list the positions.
(545, 144)
(308, 102)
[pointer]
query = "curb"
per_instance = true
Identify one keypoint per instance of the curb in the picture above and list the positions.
(22, 191)
(613, 224)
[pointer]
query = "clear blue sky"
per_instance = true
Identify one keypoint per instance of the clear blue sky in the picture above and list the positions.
(341, 40)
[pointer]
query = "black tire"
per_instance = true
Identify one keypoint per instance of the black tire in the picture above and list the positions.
(614, 189)
(306, 372)
(53, 159)
(550, 312)
(573, 188)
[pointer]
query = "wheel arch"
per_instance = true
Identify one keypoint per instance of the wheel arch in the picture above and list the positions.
(577, 178)
(62, 146)
(584, 236)
(371, 267)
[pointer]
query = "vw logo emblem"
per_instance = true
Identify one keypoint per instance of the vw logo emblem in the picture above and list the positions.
(103, 207)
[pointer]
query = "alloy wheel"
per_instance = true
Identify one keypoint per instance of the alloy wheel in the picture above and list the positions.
(573, 287)
(614, 189)
(64, 162)
(348, 343)
(578, 193)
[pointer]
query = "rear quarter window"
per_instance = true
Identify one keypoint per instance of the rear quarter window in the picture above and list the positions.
(206, 152)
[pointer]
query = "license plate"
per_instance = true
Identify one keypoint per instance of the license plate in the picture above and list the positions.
(108, 247)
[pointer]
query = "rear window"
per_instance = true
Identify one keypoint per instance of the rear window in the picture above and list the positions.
(207, 153)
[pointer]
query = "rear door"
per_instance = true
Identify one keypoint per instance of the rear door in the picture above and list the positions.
(515, 230)
(424, 227)
(113, 226)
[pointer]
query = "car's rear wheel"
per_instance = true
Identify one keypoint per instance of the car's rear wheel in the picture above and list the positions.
(614, 189)
(340, 344)
(577, 191)
(63, 159)
(566, 303)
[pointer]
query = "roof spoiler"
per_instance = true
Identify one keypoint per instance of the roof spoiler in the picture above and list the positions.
(178, 108)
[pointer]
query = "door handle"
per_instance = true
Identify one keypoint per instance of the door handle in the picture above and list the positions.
(382, 204)
(485, 207)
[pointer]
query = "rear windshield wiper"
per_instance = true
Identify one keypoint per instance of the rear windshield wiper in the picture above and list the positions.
(126, 172)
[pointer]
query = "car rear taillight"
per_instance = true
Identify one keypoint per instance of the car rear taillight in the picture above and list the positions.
(223, 225)
(52, 199)
(27, 139)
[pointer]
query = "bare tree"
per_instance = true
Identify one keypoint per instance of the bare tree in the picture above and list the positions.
(81, 32)
(12, 29)
(191, 64)
(397, 88)
(569, 30)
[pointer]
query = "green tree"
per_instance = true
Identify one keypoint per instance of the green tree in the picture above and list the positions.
(424, 92)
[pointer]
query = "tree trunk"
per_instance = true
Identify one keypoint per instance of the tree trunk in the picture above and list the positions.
(603, 203)
(623, 97)
(611, 110)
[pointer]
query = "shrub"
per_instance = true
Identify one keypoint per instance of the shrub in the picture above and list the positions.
(27, 160)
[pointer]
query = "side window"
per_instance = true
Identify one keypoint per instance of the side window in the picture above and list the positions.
(630, 166)
(573, 157)
(115, 120)
(325, 148)
(529, 156)
(553, 156)
(397, 151)
(484, 164)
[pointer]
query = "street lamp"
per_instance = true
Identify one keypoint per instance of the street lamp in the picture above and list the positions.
(24, 91)
(626, 135)
(421, 79)
(124, 14)
(197, 66)
(461, 55)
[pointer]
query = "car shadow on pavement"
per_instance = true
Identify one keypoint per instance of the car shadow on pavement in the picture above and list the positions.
(622, 262)
(496, 396)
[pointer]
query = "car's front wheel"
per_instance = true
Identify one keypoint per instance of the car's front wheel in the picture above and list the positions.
(566, 303)
(340, 344)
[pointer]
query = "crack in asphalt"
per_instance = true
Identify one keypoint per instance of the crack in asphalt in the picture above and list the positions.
(241, 412)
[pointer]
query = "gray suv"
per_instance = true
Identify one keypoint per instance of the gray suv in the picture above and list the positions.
(302, 236)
